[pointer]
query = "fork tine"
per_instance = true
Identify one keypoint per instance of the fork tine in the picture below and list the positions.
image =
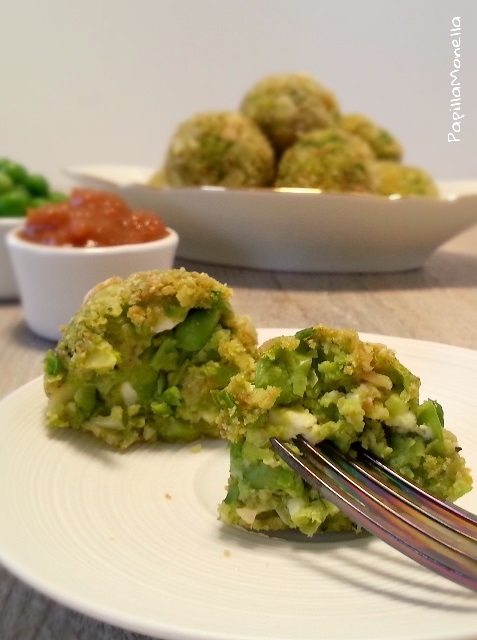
(446, 513)
(389, 498)
(368, 509)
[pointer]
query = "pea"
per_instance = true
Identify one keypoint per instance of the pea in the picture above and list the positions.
(52, 363)
(38, 202)
(262, 476)
(57, 196)
(37, 185)
(193, 333)
(430, 413)
(6, 183)
(15, 171)
(13, 204)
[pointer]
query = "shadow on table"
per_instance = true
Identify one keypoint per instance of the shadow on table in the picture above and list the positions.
(20, 333)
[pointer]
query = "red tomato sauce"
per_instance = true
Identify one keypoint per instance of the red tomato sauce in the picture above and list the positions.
(91, 219)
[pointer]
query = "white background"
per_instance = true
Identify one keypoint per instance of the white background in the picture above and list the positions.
(91, 81)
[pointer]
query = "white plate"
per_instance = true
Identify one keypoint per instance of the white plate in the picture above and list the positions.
(301, 230)
(133, 538)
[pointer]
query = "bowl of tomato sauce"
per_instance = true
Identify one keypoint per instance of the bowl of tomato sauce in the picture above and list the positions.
(64, 249)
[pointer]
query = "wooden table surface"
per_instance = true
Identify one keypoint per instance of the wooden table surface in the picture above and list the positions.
(437, 303)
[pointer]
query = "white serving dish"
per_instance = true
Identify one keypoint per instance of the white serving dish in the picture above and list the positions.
(53, 281)
(296, 230)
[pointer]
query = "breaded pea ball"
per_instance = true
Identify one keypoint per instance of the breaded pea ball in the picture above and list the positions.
(384, 145)
(289, 105)
(327, 384)
(139, 359)
(158, 180)
(395, 178)
(219, 148)
(330, 160)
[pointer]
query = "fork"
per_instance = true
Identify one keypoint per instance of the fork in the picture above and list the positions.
(437, 534)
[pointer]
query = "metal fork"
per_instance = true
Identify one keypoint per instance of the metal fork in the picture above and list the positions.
(434, 533)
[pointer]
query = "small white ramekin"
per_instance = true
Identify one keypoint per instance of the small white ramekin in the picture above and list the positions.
(8, 283)
(53, 281)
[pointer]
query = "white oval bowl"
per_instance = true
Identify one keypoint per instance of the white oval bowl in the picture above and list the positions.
(53, 281)
(296, 229)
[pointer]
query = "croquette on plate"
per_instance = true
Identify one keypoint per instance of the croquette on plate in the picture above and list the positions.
(139, 359)
(330, 160)
(222, 148)
(327, 384)
(285, 106)
(401, 179)
(383, 144)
